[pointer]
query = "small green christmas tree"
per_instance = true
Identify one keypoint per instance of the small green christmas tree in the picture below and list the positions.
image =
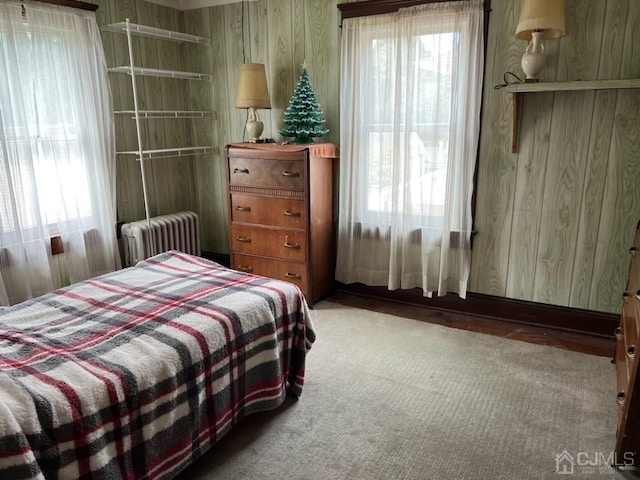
(303, 116)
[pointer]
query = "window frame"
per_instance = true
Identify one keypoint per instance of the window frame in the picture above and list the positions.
(378, 7)
(92, 7)
(37, 139)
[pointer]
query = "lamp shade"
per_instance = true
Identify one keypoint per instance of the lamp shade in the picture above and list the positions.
(252, 87)
(541, 15)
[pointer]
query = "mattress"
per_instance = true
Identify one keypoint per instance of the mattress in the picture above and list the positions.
(137, 373)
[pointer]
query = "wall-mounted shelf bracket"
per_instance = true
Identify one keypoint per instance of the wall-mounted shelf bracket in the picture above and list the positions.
(208, 114)
(155, 72)
(517, 89)
(146, 31)
(167, 152)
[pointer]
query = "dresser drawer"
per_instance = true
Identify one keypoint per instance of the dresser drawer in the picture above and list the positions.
(265, 173)
(622, 377)
(633, 282)
(622, 369)
(277, 212)
(285, 244)
(293, 272)
(629, 325)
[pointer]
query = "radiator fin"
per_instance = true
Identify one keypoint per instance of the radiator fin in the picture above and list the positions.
(176, 231)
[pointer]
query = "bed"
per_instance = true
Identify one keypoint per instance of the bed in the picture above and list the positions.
(137, 373)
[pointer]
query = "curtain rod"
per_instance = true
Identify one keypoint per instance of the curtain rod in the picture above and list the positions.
(366, 8)
(72, 3)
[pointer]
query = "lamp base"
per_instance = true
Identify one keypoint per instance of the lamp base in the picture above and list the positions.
(533, 59)
(254, 126)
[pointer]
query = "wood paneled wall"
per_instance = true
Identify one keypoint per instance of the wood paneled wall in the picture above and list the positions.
(171, 182)
(555, 220)
(282, 34)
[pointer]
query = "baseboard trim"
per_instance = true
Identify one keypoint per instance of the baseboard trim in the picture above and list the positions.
(574, 320)
(589, 322)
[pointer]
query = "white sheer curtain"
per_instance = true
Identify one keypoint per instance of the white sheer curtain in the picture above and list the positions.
(57, 150)
(409, 125)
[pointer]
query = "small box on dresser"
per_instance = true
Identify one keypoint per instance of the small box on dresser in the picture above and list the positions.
(281, 213)
(626, 359)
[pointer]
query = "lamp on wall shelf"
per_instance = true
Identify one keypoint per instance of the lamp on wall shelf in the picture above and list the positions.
(253, 94)
(539, 20)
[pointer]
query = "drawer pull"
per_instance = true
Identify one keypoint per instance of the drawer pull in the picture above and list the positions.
(245, 268)
(295, 276)
(295, 246)
(620, 398)
(633, 251)
(289, 213)
(287, 173)
(631, 351)
(617, 331)
(240, 238)
(241, 170)
(243, 209)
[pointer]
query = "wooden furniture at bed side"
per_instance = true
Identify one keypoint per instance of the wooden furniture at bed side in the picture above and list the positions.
(626, 359)
(281, 221)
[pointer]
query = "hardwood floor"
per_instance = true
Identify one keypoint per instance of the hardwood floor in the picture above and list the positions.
(578, 342)
(517, 323)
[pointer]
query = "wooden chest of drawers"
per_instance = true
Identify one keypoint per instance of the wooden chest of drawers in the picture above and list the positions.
(281, 214)
(626, 359)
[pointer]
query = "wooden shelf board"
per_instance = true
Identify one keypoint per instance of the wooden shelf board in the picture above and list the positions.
(516, 89)
(526, 87)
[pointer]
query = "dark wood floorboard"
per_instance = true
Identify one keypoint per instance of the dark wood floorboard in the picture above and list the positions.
(516, 331)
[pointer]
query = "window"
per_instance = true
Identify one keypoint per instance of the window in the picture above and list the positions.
(46, 143)
(57, 155)
(423, 129)
(410, 112)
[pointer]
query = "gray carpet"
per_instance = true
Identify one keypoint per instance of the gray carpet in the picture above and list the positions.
(391, 398)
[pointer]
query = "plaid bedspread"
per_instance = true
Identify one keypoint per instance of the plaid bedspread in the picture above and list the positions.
(136, 373)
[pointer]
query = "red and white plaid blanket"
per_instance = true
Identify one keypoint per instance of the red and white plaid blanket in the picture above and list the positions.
(136, 373)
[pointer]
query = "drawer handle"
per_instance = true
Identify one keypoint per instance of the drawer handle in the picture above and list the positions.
(243, 209)
(295, 276)
(295, 246)
(617, 331)
(245, 268)
(240, 238)
(631, 351)
(633, 251)
(241, 170)
(289, 213)
(287, 173)
(620, 398)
